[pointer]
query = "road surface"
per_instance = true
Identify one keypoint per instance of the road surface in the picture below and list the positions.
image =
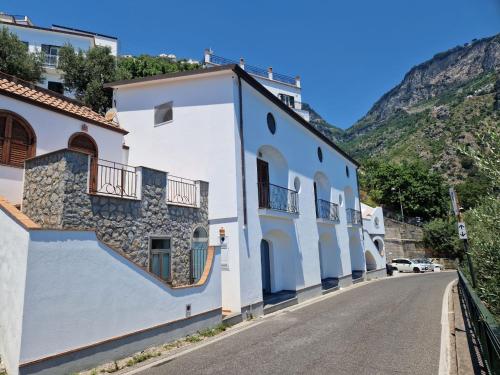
(386, 327)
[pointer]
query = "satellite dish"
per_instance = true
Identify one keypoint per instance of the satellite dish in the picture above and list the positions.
(110, 114)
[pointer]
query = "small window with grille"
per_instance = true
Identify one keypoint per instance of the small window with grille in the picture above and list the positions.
(160, 257)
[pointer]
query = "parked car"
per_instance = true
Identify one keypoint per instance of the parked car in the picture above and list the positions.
(408, 265)
(431, 265)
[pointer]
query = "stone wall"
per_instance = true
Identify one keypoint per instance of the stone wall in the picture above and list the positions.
(56, 196)
(403, 240)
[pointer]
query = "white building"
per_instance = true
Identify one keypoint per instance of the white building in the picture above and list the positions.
(50, 40)
(285, 196)
(288, 89)
(374, 233)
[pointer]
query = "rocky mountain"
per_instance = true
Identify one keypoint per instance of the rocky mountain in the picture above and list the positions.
(439, 106)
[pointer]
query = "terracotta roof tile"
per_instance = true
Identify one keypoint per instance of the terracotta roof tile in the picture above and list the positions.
(17, 88)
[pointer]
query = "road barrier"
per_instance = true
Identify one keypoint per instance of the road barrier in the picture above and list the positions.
(484, 325)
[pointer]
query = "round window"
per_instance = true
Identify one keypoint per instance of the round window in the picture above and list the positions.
(320, 154)
(271, 123)
(341, 200)
(296, 184)
(347, 171)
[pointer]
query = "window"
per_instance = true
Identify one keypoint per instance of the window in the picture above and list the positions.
(320, 154)
(17, 140)
(271, 123)
(164, 113)
(56, 87)
(347, 171)
(296, 184)
(51, 54)
(199, 252)
(160, 254)
(287, 99)
(85, 143)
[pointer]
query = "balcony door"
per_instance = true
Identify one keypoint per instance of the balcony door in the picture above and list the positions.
(85, 143)
(263, 182)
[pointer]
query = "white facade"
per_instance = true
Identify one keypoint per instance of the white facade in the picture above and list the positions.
(204, 139)
(374, 233)
(50, 39)
(53, 131)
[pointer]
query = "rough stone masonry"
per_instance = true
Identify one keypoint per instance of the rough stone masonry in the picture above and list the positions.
(56, 196)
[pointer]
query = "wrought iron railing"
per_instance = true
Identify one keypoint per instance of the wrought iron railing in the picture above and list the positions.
(51, 60)
(353, 216)
(327, 210)
(484, 325)
(278, 198)
(111, 178)
(255, 70)
(182, 191)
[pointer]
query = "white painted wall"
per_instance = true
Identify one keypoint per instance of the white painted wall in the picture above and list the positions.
(13, 259)
(200, 143)
(374, 232)
(298, 146)
(203, 142)
(79, 292)
(53, 131)
(103, 41)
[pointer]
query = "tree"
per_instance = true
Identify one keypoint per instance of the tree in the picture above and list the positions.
(85, 74)
(16, 60)
(440, 236)
(422, 192)
(145, 66)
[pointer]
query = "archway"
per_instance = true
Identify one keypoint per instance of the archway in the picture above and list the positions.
(371, 263)
(322, 196)
(272, 179)
(265, 265)
(17, 139)
(83, 142)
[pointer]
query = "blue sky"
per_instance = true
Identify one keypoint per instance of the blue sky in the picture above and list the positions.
(348, 52)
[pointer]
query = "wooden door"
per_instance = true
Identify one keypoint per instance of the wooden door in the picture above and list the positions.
(85, 143)
(263, 183)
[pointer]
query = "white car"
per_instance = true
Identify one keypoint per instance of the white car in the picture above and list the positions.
(431, 265)
(408, 265)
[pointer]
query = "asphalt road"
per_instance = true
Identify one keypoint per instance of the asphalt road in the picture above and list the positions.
(386, 327)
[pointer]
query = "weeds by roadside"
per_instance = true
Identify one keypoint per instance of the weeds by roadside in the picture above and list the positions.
(154, 352)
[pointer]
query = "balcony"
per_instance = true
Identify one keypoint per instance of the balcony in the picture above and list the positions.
(326, 210)
(51, 61)
(182, 191)
(278, 198)
(353, 216)
(113, 179)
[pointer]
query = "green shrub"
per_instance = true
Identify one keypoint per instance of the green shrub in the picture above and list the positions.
(440, 236)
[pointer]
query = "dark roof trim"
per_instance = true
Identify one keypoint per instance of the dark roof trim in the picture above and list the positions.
(252, 82)
(45, 29)
(82, 31)
(62, 111)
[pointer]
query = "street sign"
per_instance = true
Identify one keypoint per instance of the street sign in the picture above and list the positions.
(462, 231)
(454, 201)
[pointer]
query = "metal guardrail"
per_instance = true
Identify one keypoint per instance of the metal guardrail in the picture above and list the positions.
(278, 198)
(327, 210)
(182, 191)
(353, 216)
(484, 325)
(111, 178)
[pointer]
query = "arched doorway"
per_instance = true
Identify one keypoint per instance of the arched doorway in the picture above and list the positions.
(265, 263)
(83, 142)
(371, 263)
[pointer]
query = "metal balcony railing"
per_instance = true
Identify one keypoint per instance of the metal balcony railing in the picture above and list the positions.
(111, 178)
(327, 210)
(51, 60)
(278, 198)
(353, 216)
(254, 70)
(182, 191)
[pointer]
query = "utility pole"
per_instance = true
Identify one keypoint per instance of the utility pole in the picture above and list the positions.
(400, 204)
(462, 233)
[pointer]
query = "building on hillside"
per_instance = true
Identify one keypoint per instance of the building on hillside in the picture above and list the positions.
(288, 89)
(98, 259)
(50, 40)
(283, 195)
(373, 237)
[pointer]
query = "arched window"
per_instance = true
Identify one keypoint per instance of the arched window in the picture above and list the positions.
(17, 139)
(199, 251)
(85, 143)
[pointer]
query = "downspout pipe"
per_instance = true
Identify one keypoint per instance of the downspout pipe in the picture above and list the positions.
(242, 151)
